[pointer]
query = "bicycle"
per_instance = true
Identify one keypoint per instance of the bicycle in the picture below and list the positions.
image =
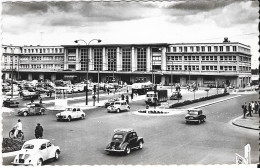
(19, 136)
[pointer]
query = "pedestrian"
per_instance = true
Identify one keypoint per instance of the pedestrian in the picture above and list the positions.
(50, 93)
(38, 131)
(249, 110)
(40, 100)
(244, 107)
(256, 107)
(132, 96)
(108, 91)
(127, 99)
(122, 97)
(31, 99)
(253, 106)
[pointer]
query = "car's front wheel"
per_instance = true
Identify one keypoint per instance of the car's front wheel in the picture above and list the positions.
(118, 110)
(39, 162)
(25, 114)
(69, 118)
(140, 145)
(82, 117)
(127, 150)
(56, 157)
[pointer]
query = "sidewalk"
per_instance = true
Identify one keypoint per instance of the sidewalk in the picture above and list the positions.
(248, 122)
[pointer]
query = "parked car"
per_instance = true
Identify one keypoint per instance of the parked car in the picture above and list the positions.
(32, 109)
(124, 140)
(71, 113)
(176, 96)
(118, 106)
(195, 115)
(10, 103)
(34, 152)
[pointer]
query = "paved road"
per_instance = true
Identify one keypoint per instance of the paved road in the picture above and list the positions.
(168, 140)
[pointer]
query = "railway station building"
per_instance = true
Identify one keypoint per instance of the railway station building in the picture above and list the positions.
(205, 64)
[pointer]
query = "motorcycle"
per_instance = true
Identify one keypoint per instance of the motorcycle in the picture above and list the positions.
(19, 135)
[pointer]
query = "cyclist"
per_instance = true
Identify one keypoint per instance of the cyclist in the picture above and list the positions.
(18, 128)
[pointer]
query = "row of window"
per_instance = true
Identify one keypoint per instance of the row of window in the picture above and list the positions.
(208, 58)
(206, 68)
(39, 66)
(42, 50)
(203, 49)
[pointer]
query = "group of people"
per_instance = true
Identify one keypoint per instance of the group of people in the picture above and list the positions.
(19, 126)
(251, 107)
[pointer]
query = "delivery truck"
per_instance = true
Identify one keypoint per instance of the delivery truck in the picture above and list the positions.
(156, 97)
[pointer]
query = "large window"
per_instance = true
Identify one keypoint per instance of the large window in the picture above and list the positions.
(71, 54)
(84, 60)
(126, 59)
(98, 61)
(111, 56)
(141, 59)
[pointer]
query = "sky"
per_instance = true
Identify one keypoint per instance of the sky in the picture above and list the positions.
(121, 22)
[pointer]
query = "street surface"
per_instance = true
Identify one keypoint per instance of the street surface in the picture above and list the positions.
(167, 139)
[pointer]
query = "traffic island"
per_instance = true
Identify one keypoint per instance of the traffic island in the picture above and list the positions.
(159, 112)
(11, 145)
(188, 102)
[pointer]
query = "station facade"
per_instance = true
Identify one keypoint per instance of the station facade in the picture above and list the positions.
(205, 64)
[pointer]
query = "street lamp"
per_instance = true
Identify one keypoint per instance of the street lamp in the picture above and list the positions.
(76, 41)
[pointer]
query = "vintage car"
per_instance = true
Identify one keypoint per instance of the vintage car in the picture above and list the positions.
(195, 115)
(175, 96)
(30, 94)
(32, 109)
(34, 152)
(110, 102)
(10, 103)
(118, 106)
(71, 113)
(124, 140)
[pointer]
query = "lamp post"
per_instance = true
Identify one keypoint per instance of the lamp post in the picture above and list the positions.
(76, 41)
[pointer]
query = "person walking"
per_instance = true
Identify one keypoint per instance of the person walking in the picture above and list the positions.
(31, 99)
(244, 107)
(252, 106)
(127, 99)
(256, 107)
(40, 100)
(38, 131)
(249, 110)
(132, 96)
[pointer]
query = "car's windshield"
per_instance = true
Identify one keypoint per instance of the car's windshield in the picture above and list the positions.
(117, 103)
(28, 146)
(193, 112)
(68, 109)
(118, 136)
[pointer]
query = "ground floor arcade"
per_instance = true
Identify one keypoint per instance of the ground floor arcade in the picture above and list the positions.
(164, 79)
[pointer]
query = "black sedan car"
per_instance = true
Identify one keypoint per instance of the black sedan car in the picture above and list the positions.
(195, 116)
(124, 140)
(10, 103)
(110, 102)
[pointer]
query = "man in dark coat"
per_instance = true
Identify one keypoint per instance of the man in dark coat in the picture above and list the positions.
(38, 131)
(249, 110)
(244, 107)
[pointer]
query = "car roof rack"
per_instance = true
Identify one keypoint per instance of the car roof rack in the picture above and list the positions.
(123, 130)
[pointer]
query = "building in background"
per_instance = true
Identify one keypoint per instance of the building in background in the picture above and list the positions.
(204, 64)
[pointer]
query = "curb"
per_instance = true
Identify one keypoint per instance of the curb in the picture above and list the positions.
(234, 120)
(207, 104)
